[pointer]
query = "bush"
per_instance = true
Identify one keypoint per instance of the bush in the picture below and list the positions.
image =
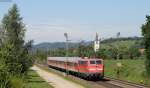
(17, 82)
(8, 80)
(123, 71)
(4, 79)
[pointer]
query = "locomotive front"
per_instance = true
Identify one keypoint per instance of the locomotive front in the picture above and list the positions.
(95, 68)
(92, 68)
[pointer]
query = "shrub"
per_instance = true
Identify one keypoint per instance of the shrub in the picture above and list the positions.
(4, 77)
(123, 71)
(17, 82)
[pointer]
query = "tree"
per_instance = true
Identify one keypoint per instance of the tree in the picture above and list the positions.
(15, 59)
(102, 53)
(113, 52)
(134, 51)
(14, 51)
(146, 33)
(1, 35)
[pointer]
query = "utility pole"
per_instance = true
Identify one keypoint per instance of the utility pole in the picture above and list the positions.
(66, 36)
(118, 36)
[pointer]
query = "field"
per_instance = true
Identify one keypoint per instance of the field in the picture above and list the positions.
(130, 70)
(34, 81)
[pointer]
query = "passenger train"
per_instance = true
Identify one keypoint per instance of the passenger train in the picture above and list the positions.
(89, 68)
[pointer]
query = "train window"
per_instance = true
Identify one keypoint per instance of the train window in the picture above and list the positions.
(98, 62)
(70, 64)
(75, 64)
(92, 62)
(82, 62)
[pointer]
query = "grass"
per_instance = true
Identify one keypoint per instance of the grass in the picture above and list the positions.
(34, 81)
(131, 70)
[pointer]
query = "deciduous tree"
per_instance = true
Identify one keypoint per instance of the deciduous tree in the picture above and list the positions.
(146, 34)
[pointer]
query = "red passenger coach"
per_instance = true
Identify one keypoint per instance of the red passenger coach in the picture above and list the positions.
(86, 68)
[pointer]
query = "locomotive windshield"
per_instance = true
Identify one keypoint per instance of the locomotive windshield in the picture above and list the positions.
(82, 62)
(92, 62)
(95, 62)
(98, 62)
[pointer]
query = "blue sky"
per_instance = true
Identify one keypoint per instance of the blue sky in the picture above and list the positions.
(47, 20)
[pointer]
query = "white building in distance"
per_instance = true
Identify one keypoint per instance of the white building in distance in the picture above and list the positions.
(96, 43)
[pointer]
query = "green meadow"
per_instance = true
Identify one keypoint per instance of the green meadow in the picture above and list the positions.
(130, 70)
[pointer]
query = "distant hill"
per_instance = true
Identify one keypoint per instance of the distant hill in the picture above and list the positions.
(111, 40)
(56, 45)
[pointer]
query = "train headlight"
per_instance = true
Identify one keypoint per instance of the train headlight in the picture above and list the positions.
(100, 69)
(91, 69)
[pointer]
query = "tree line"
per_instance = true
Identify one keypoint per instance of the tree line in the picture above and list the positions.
(120, 49)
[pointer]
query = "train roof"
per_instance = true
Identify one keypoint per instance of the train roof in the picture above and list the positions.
(70, 59)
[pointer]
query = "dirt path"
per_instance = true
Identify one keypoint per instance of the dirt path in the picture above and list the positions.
(55, 80)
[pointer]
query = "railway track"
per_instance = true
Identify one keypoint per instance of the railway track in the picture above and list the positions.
(107, 82)
(101, 84)
(134, 85)
(114, 83)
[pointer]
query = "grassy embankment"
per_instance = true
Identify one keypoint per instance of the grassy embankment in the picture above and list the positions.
(34, 81)
(68, 78)
(131, 70)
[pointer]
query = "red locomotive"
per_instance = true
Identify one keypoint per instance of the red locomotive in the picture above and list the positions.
(86, 68)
